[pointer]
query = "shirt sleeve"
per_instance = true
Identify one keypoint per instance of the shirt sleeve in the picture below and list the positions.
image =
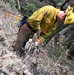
(36, 19)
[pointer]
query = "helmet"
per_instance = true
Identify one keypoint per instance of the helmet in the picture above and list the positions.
(69, 16)
(69, 19)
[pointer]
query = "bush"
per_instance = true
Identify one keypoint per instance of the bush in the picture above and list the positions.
(29, 9)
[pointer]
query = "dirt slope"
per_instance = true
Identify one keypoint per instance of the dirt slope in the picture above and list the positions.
(10, 62)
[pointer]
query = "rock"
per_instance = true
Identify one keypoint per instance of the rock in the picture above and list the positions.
(26, 72)
(34, 61)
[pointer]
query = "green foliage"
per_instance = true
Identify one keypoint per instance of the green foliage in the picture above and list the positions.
(56, 51)
(32, 6)
(29, 9)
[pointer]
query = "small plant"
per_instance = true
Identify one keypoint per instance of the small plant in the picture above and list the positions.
(29, 9)
(56, 51)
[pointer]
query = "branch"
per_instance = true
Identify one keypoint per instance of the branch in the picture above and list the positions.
(56, 62)
(62, 6)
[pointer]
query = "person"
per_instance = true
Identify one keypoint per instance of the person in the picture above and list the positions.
(42, 22)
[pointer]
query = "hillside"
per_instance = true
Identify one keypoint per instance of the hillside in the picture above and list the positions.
(41, 63)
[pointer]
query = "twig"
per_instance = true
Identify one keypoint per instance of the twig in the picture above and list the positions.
(56, 62)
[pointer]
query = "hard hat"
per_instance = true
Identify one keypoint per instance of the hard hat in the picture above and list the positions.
(69, 19)
(69, 16)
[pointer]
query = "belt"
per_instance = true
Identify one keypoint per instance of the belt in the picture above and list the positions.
(28, 25)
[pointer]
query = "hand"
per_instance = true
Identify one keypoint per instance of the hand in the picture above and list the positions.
(38, 40)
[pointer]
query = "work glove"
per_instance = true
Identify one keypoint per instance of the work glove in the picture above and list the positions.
(38, 40)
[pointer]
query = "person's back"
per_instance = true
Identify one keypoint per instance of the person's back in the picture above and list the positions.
(44, 19)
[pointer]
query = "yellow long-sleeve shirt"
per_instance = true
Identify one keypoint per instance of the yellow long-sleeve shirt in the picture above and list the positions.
(44, 20)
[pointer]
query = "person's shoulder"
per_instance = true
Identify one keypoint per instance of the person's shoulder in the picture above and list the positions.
(45, 7)
(49, 7)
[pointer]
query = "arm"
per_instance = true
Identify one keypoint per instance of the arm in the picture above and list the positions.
(36, 19)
